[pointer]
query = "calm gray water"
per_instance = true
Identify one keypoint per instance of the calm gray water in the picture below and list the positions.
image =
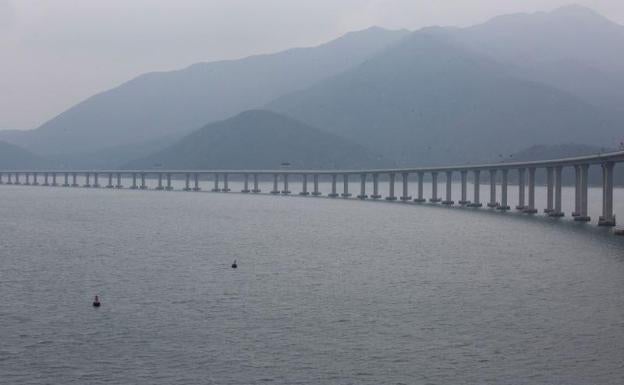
(327, 292)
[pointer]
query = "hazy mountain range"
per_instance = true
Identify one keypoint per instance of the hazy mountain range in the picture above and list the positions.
(432, 96)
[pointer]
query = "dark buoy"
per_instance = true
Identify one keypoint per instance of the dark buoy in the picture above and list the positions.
(96, 301)
(234, 265)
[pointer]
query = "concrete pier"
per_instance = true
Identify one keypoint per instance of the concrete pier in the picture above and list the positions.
(557, 213)
(316, 191)
(9, 180)
(66, 183)
(492, 203)
(464, 188)
(333, 193)
(17, 180)
(245, 189)
(134, 182)
(160, 182)
(256, 188)
(187, 182)
(607, 218)
(521, 181)
(54, 179)
(583, 217)
(550, 184)
(449, 189)
(405, 197)
(476, 201)
(35, 182)
(285, 191)
(226, 183)
(345, 188)
(275, 190)
(45, 179)
(391, 196)
(504, 183)
(110, 180)
(434, 188)
(376, 187)
(421, 182)
(362, 187)
(96, 182)
(74, 182)
(27, 183)
(196, 182)
(143, 184)
(304, 185)
(530, 209)
(119, 185)
(87, 180)
(216, 183)
(577, 190)
(169, 186)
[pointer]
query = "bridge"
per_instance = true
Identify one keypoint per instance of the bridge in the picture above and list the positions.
(497, 201)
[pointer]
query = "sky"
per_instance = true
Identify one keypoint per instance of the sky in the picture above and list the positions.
(56, 53)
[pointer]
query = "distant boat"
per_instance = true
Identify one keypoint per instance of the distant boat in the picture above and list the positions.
(234, 265)
(96, 301)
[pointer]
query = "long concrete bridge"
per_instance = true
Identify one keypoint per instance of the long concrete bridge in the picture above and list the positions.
(497, 200)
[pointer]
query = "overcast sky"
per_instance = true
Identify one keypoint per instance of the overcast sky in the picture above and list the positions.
(56, 53)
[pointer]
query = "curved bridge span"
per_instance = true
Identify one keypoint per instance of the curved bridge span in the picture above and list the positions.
(498, 177)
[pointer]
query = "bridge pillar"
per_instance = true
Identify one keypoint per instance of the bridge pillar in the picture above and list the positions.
(304, 185)
(27, 179)
(583, 217)
(119, 185)
(521, 180)
(391, 196)
(9, 176)
(464, 188)
(549, 190)
(216, 183)
(333, 193)
(405, 197)
(87, 180)
(434, 188)
(577, 190)
(345, 187)
(1, 181)
(449, 189)
(557, 210)
(169, 187)
(66, 180)
(96, 183)
(110, 180)
(245, 184)
(196, 182)
(256, 188)
(35, 183)
(134, 182)
(376, 187)
(607, 218)
(187, 182)
(54, 179)
(362, 187)
(421, 181)
(504, 183)
(285, 191)
(316, 191)
(45, 179)
(160, 182)
(74, 182)
(275, 189)
(492, 204)
(476, 201)
(531, 208)
(226, 186)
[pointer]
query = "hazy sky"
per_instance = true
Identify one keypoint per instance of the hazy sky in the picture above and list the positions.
(57, 52)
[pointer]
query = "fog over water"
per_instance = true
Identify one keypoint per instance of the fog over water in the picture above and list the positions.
(327, 291)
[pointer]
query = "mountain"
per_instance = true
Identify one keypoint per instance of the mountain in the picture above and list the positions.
(572, 48)
(166, 103)
(429, 99)
(259, 139)
(14, 158)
